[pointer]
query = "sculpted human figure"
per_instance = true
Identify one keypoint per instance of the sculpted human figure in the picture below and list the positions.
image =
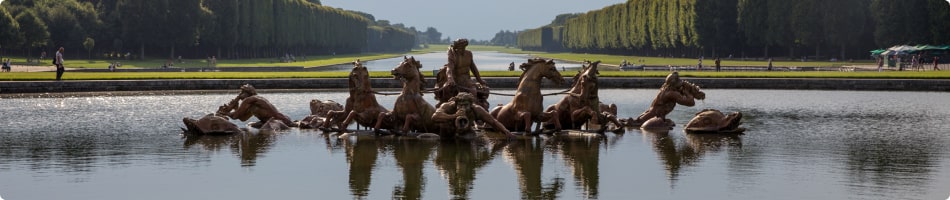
(248, 104)
(318, 113)
(674, 91)
(454, 76)
(457, 116)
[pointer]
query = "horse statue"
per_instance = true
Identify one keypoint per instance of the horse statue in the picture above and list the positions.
(582, 103)
(360, 106)
(527, 106)
(714, 121)
(674, 91)
(410, 109)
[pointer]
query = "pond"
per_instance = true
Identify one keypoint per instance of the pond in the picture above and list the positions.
(799, 145)
(484, 60)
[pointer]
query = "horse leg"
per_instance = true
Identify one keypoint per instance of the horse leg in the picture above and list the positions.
(408, 124)
(379, 121)
(526, 118)
(552, 116)
(349, 119)
(580, 114)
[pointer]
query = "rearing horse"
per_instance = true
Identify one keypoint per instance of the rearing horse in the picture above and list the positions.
(410, 109)
(527, 106)
(582, 103)
(361, 105)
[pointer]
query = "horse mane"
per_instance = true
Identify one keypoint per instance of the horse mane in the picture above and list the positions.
(528, 65)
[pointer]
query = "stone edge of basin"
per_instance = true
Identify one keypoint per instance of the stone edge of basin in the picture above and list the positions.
(13, 87)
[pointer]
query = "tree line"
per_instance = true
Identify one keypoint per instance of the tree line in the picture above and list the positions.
(747, 28)
(196, 28)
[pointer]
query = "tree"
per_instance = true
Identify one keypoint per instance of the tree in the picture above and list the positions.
(32, 30)
(89, 44)
(433, 35)
(9, 31)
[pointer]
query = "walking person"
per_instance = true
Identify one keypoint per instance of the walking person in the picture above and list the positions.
(770, 64)
(699, 66)
(59, 64)
(717, 64)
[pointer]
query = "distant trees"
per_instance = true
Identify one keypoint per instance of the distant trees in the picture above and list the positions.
(505, 38)
(848, 28)
(196, 28)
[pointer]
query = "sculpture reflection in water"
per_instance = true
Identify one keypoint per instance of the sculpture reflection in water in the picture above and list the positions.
(459, 162)
(527, 106)
(580, 153)
(675, 154)
(248, 146)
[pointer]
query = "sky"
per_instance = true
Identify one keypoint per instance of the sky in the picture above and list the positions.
(472, 19)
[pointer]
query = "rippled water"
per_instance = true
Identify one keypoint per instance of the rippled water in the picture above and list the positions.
(799, 145)
(484, 60)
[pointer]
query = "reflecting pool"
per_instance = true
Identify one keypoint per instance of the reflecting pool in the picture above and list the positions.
(799, 145)
(484, 60)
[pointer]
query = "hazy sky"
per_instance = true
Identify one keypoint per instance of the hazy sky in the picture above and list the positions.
(474, 19)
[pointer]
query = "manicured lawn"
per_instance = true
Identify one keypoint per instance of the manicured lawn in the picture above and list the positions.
(311, 61)
(31, 76)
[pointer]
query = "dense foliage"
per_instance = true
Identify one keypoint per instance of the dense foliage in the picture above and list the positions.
(766, 28)
(194, 28)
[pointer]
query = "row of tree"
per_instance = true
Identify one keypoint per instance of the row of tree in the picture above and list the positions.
(198, 28)
(745, 28)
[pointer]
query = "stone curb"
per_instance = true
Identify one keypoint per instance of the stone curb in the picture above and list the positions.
(13, 87)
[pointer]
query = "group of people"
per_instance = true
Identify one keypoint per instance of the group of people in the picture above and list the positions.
(916, 62)
(6, 65)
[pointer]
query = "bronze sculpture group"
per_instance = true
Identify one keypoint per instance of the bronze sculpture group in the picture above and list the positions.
(461, 106)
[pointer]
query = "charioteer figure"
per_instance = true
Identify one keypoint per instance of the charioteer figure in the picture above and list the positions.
(454, 77)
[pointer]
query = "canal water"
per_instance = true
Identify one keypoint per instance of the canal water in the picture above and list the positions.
(484, 60)
(799, 145)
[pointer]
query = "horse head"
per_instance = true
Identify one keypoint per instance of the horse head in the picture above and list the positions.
(585, 81)
(408, 71)
(359, 78)
(542, 68)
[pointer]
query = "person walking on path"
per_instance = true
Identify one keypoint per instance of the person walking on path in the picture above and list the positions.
(717, 64)
(699, 66)
(770, 64)
(58, 61)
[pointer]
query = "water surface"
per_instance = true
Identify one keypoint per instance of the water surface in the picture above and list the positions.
(484, 60)
(799, 145)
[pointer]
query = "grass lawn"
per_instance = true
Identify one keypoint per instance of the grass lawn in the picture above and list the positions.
(311, 61)
(34, 76)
